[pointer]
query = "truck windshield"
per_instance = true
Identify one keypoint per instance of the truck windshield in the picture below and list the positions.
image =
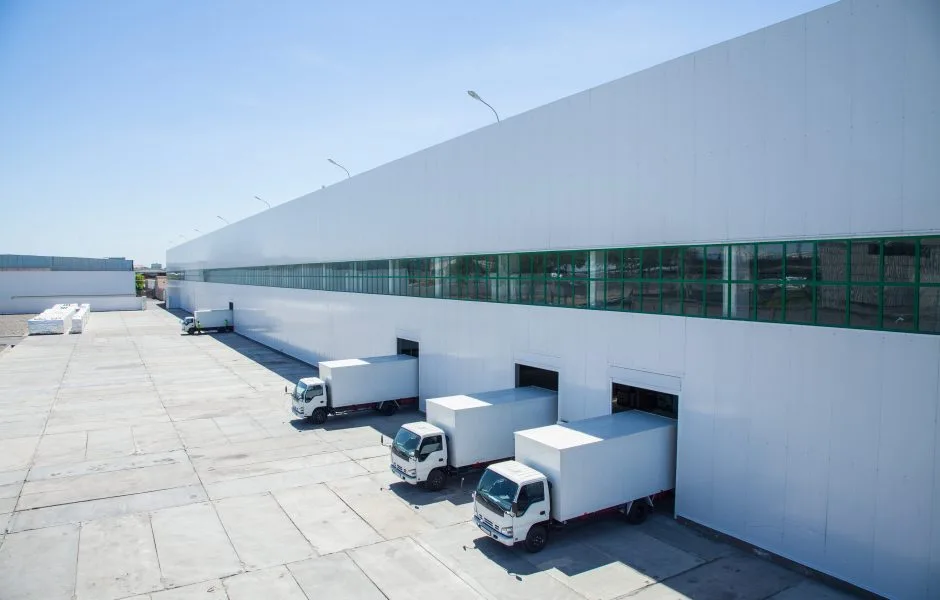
(497, 490)
(300, 389)
(406, 442)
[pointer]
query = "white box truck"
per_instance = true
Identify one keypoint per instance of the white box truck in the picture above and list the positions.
(467, 432)
(216, 319)
(383, 383)
(564, 472)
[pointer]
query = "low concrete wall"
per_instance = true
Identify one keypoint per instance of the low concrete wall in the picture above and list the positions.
(23, 292)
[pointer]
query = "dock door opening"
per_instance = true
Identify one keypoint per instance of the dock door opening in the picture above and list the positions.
(543, 378)
(407, 347)
(628, 397)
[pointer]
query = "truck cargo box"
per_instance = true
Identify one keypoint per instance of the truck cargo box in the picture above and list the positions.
(602, 462)
(214, 318)
(354, 381)
(480, 427)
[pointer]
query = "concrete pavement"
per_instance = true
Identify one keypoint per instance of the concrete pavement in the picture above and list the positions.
(140, 463)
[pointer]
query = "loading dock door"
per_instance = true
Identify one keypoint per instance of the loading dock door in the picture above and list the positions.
(407, 347)
(543, 378)
(628, 397)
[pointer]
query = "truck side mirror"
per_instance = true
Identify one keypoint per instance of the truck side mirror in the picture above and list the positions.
(285, 389)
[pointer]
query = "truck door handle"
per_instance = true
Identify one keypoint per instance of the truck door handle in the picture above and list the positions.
(440, 460)
(542, 513)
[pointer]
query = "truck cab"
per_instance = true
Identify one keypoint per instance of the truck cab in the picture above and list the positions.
(188, 324)
(512, 503)
(419, 455)
(310, 399)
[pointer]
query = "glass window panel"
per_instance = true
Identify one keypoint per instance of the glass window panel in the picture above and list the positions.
(631, 263)
(580, 289)
(525, 265)
(743, 266)
(799, 297)
(769, 261)
(580, 265)
(693, 262)
(799, 265)
(693, 303)
(715, 259)
(863, 305)
(898, 306)
(631, 295)
(930, 260)
(715, 300)
(929, 309)
(866, 260)
(515, 265)
(614, 294)
(671, 258)
(769, 302)
(651, 264)
(830, 305)
(526, 292)
(899, 261)
(613, 266)
(650, 297)
(672, 297)
(830, 261)
(538, 289)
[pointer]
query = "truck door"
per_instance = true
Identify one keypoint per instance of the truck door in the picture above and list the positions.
(313, 398)
(430, 456)
(531, 507)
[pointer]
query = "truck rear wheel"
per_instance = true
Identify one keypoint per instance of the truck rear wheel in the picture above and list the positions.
(436, 480)
(536, 539)
(319, 416)
(638, 511)
(388, 408)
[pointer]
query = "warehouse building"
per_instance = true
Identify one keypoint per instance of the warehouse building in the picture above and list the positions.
(31, 284)
(746, 238)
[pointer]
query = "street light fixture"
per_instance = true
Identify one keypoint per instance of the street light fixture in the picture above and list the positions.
(340, 166)
(226, 222)
(260, 199)
(476, 96)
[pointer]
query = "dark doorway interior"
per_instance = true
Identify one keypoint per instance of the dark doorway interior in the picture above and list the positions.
(543, 378)
(628, 397)
(407, 347)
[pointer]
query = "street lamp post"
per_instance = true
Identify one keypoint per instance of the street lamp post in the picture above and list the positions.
(476, 96)
(340, 166)
(225, 221)
(260, 199)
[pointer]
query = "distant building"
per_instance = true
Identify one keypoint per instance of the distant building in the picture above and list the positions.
(156, 266)
(30, 284)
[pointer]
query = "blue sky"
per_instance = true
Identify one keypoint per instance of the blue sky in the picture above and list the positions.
(125, 125)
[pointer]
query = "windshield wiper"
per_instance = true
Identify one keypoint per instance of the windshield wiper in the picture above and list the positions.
(490, 502)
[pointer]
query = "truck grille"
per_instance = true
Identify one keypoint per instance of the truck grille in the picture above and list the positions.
(399, 453)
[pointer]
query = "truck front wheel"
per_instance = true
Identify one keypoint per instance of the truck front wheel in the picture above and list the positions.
(436, 480)
(388, 408)
(319, 416)
(637, 513)
(191, 331)
(536, 539)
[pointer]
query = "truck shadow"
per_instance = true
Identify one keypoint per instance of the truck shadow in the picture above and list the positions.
(386, 427)
(454, 493)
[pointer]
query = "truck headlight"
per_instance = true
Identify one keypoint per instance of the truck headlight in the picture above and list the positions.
(413, 472)
(506, 530)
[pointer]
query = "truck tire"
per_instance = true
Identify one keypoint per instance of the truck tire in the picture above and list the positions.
(388, 408)
(191, 331)
(319, 416)
(638, 512)
(536, 539)
(436, 480)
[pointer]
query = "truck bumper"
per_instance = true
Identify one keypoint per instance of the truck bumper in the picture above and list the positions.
(412, 479)
(502, 538)
(297, 411)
